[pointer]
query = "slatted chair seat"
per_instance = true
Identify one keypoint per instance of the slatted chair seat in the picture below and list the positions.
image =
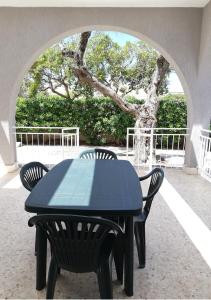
(31, 173)
(79, 244)
(97, 154)
(156, 178)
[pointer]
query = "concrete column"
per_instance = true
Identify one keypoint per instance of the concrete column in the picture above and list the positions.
(7, 120)
(200, 111)
(198, 118)
(7, 146)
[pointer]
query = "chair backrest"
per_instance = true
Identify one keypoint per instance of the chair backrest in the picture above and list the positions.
(97, 154)
(78, 243)
(31, 173)
(156, 180)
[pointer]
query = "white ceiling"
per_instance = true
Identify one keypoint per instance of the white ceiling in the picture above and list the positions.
(103, 3)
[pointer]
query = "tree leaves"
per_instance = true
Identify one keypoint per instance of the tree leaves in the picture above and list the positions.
(124, 68)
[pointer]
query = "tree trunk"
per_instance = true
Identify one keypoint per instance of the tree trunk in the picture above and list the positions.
(145, 114)
(146, 118)
(143, 140)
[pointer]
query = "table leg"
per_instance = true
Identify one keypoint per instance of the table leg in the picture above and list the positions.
(129, 232)
(41, 247)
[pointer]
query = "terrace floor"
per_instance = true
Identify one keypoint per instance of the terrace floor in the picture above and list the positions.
(178, 245)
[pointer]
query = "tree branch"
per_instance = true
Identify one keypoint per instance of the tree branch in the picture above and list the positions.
(45, 89)
(82, 46)
(85, 76)
(66, 89)
(55, 91)
(148, 111)
(78, 56)
(158, 76)
(69, 53)
(144, 113)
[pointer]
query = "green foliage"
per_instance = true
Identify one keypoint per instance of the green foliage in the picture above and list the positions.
(174, 97)
(123, 68)
(51, 72)
(172, 111)
(100, 120)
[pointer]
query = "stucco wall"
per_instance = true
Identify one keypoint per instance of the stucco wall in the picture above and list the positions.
(204, 73)
(201, 91)
(25, 33)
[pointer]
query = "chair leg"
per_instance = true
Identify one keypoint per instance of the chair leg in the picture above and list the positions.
(105, 281)
(52, 275)
(35, 247)
(140, 243)
(118, 254)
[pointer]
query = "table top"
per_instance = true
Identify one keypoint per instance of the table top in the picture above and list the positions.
(89, 187)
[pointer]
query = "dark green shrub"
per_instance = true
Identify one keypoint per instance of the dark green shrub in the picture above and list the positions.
(100, 120)
(172, 112)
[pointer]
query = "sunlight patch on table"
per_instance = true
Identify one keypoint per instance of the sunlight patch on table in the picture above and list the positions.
(77, 182)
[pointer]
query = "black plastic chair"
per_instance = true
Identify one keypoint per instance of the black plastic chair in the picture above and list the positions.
(31, 173)
(79, 244)
(156, 180)
(97, 154)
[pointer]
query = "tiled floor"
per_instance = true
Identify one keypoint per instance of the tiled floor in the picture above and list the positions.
(174, 269)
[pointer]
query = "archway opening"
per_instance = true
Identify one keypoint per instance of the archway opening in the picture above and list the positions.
(53, 96)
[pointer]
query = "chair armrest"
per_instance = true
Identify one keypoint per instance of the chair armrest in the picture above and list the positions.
(146, 176)
(150, 196)
(145, 198)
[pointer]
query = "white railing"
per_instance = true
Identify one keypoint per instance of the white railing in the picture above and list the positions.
(47, 136)
(158, 146)
(205, 154)
(49, 143)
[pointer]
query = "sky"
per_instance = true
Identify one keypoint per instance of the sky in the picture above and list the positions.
(174, 85)
(121, 38)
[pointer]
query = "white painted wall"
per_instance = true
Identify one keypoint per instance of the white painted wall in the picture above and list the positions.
(104, 3)
(201, 91)
(26, 32)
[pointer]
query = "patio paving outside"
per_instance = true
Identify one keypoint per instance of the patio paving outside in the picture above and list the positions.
(174, 267)
(51, 155)
(54, 154)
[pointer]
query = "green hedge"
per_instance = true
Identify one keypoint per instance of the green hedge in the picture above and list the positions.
(172, 111)
(100, 120)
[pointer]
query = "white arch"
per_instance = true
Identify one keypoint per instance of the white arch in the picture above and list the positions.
(78, 30)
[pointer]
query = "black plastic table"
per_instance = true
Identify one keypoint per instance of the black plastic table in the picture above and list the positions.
(88, 187)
